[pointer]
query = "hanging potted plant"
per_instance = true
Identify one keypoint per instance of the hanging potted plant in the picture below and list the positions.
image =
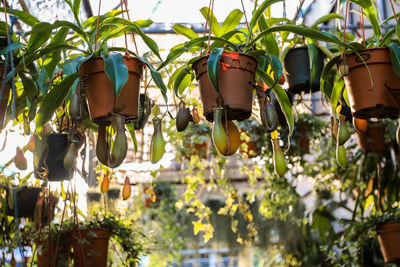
(90, 240)
(226, 72)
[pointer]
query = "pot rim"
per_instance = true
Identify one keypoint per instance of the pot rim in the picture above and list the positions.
(367, 49)
(93, 59)
(225, 54)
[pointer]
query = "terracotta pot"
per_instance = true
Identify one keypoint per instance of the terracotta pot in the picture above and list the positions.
(4, 95)
(369, 100)
(374, 139)
(47, 256)
(52, 158)
(95, 248)
(302, 138)
(236, 73)
(389, 240)
(297, 70)
(100, 92)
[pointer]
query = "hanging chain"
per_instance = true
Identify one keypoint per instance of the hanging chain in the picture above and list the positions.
(362, 25)
(123, 22)
(345, 24)
(97, 27)
(205, 26)
(247, 22)
(394, 11)
(129, 18)
(210, 13)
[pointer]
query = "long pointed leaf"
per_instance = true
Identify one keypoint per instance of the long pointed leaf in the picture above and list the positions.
(213, 66)
(178, 81)
(215, 28)
(282, 98)
(185, 31)
(324, 19)
(231, 21)
(157, 78)
(53, 100)
(116, 70)
(260, 10)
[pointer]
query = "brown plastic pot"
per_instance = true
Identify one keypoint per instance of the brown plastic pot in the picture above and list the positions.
(236, 75)
(302, 138)
(372, 99)
(47, 256)
(91, 246)
(4, 95)
(374, 139)
(100, 93)
(389, 240)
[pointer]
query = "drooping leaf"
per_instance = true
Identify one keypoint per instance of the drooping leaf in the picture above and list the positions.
(157, 78)
(372, 15)
(395, 54)
(336, 92)
(116, 70)
(313, 56)
(281, 96)
(213, 66)
(54, 58)
(325, 18)
(326, 81)
(231, 21)
(10, 48)
(25, 17)
(178, 84)
(185, 31)
(131, 129)
(53, 100)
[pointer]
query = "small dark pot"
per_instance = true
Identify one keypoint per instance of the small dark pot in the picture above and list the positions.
(145, 105)
(389, 240)
(26, 198)
(297, 70)
(236, 76)
(302, 137)
(52, 158)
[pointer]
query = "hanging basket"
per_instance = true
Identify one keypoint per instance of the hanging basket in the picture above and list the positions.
(100, 93)
(236, 76)
(373, 141)
(4, 95)
(389, 240)
(297, 70)
(51, 163)
(367, 99)
(91, 247)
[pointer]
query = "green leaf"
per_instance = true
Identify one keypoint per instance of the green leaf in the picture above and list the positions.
(185, 31)
(116, 70)
(213, 66)
(131, 129)
(157, 78)
(324, 19)
(215, 28)
(54, 58)
(282, 98)
(231, 21)
(146, 39)
(183, 74)
(313, 56)
(398, 29)
(53, 100)
(10, 48)
(336, 92)
(38, 36)
(260, 11)
(75, 8)
(326, 80)
(25, 17)
(300, 30)
(30, 88)
(268, 41)
(395, 54)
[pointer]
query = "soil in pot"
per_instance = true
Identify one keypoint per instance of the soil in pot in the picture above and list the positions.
(372, 98)
(91, 246)
(100, 93)
(51, 163)
(4, 95)
(389, 240)
(297, 70)
(236, 76)
(374, 139)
